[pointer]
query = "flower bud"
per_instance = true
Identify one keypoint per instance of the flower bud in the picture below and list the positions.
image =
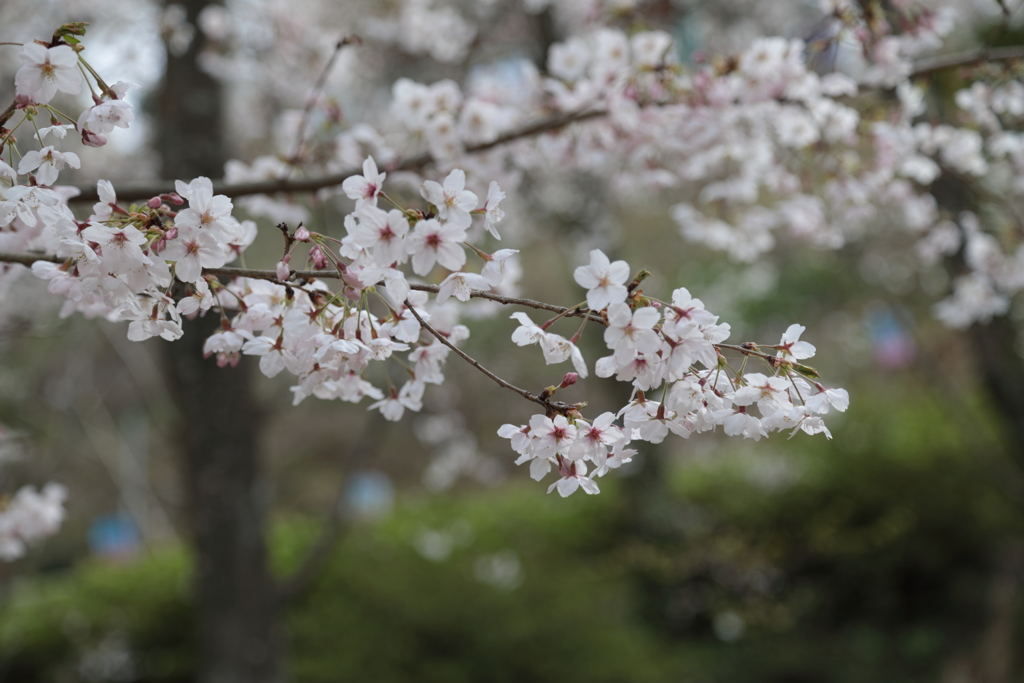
(90, 139)
(301, 234)
(282, 270)
(154, 203)
(319, 258)
(569, 379)
(173, 198)
(172, 233)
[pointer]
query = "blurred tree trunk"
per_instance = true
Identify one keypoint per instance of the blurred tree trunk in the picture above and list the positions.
(235, 596)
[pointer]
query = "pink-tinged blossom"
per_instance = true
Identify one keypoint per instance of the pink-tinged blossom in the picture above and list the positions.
(558, 349)
(595, 438)
(604, 280)
(208, 211)
(740, 423)
(492, 214)
(274, 356)
(104, 208)
(45, 71)
(192, 250)
(686, 309)
(836, 398)
(381, 233)
(770, 393)
(519, 435)
(365, 188)
(431, 242)
(47, 163)
(428, 360)
(494, 269)
(551, 436)
(121, 247)
(394, 406)
(792, 347)
(461, 286)
(153, 324)
(573, 476)
(629, 332)
(620, 456)
(528, 331)
(59, 131)
(106, 116)
(453, 201)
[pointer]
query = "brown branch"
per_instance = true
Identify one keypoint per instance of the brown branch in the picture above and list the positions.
(147, 191)
(549, 405)
(271, 276)
(926, 67)
(28, 259)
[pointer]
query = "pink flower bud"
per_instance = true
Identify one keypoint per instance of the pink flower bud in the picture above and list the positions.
(282, 270)
(173, 198)
(302, 235)
(154, 203)
(319, 258)
(172, 233)
(90, 139)
(159, 245)
(569, 379)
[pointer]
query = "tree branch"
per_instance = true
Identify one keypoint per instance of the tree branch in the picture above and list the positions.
(926, 67)
(549, 406)
(147, 191)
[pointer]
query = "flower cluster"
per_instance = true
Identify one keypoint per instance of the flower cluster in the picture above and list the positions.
(152, 264)
(29, 517)
(674, 347)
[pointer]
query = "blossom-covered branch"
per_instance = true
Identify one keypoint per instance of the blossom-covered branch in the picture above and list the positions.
(288, 185)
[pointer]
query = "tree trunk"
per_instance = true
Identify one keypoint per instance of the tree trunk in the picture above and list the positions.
(234, 593)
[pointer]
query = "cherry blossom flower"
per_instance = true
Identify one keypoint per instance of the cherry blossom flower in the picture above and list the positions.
(106, 116)
(453, 201)
(365, 188)
(433, 242)
(492, 214)
(551, 436)
(46, 71)
(791, 345)
(49, 163)
(104, 208)
(573, 476)
(394, 406)
(836, 398)
(770, 393)
(461, 285)
(594, 438)
(192, 250)
(209, 211)
(122, 247)
(494, 269)
(605, 281)
(629, 332)
(383, 234)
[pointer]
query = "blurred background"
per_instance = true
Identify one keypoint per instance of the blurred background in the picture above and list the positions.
(360, 550)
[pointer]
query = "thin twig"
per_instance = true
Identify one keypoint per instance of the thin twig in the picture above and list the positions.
(472, 361)
(318, 87)
(139, 192)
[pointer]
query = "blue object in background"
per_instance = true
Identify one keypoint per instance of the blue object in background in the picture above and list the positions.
(369, 493)
(114, 537)
(893, 346)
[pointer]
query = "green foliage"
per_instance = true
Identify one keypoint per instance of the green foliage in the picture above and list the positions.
(52, 627)
(869, 557)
